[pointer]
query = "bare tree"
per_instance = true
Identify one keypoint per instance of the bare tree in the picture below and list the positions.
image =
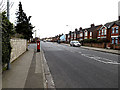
(3, 5)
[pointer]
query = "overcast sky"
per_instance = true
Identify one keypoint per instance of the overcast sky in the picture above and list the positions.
(50, 17)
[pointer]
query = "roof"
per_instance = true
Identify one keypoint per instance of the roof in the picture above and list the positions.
(117, 22)
(91, 29)
(110, 24)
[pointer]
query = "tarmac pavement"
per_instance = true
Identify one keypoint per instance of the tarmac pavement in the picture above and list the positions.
(26, 72)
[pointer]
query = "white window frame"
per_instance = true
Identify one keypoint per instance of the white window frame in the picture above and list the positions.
(112, 40)
(117, 28)
(102, 32)
(81, 34)
(90, 33)
(86, 33)
(105, 32)
(113, 30)
(99, 32)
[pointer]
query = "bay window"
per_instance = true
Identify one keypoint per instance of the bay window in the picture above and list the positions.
(116, 29)
(81, 34)
(105, 32)
(85, 33)
(112, 40)
(90, 33)
(112, 30)
(102, 31)
(99, 32)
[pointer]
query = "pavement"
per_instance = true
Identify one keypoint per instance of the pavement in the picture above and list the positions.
(26, 72)
(29, 71)
(99, 49)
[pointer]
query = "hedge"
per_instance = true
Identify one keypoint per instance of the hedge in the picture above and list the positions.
(7, 31)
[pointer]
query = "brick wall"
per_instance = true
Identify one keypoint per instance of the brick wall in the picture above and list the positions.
(19, 46)
(98, 45)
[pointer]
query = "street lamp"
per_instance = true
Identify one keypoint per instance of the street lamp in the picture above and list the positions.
(8, 9)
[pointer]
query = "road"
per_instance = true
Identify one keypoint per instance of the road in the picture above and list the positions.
(75, 67)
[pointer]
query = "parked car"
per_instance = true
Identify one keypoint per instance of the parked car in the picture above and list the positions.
(44, 40)
(75, 43)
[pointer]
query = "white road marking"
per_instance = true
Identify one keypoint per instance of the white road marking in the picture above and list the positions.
(80, 52)
(49, 79)
(100, 59)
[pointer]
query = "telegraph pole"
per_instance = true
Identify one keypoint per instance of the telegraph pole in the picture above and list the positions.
(8, 9)
(8, 64)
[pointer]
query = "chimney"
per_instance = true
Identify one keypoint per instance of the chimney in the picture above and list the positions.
(92, 25)
(80, 28)
(119, 10)
(76, 30)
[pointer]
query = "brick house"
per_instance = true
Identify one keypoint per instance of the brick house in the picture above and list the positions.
(115, 32)
(110, 31)
(81, 34)
(91, 33)
(72, 35)
(104, 32)
(69, 36)
(76, 34)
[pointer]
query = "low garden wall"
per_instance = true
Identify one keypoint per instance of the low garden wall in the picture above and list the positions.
(98, 45)
(19, 46)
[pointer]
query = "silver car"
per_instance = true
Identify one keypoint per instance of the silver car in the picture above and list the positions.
(75, 43)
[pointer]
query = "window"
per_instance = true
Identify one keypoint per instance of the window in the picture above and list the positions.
(116, 29)
(99, 32)
(90, 37)
(90, 33)
(105, 32)
(112, 40)
(119, 40)
(75, 35)
(116, 40)
(85, 33)
(81, 34)
(112, 30)
(102, 31)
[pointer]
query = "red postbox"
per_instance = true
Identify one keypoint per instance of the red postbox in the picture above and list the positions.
(38, 45)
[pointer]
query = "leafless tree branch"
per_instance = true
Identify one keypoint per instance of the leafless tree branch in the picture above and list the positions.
(3, 6)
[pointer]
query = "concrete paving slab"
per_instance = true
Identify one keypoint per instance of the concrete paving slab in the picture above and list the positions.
(38, 64)
(16, 76)
(35, 76)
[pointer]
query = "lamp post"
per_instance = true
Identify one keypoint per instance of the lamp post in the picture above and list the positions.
(8, 64)
(8, 9)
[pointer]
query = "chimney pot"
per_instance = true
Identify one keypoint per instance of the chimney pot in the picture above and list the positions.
(92, 25)
(80, 28)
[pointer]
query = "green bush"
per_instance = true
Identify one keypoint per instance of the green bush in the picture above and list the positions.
(7, 31)
(90, 41)
(94, 41)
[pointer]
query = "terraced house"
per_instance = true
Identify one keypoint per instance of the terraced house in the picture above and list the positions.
(115, 32)
(104, 32)
(80, 34)
(91, 33)
(110, 32)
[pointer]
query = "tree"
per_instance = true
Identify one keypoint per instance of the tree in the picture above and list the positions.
(7, 32)
(23, 25)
